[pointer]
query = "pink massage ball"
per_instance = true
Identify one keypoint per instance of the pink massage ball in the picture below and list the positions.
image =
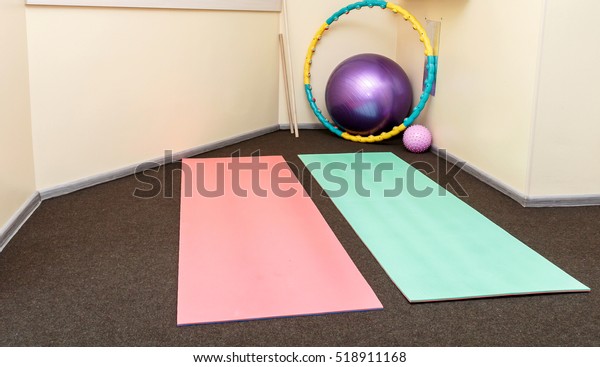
(417, 138)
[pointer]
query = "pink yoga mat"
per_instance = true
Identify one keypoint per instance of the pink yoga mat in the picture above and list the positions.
(267, 254)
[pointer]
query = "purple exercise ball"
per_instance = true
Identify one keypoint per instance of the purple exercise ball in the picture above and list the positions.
(368, 94)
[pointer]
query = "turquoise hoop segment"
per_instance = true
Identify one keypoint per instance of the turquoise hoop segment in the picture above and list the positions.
(355, 6)
(431, 66)
(317, 111)
(429, 82)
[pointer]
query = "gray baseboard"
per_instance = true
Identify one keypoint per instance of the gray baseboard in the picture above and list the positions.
(303, 126)
(21, 216)
(516, 195)
(519, 197)
(482, 176)
(562, 201)
(18, 219)
(84, 183)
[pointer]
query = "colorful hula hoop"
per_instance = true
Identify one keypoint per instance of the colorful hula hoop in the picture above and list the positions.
(431, 72)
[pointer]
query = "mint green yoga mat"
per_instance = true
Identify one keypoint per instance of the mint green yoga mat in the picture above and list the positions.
(432, 245)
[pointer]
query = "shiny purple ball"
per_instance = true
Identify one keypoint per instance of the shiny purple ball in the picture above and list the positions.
(368, 94)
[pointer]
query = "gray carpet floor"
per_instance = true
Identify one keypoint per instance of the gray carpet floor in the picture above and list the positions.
(98, 267)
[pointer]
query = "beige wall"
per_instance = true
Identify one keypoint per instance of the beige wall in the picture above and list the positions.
(16, 179)
(566, 144)
(113, 87)
(483, 110)
(360, 32)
